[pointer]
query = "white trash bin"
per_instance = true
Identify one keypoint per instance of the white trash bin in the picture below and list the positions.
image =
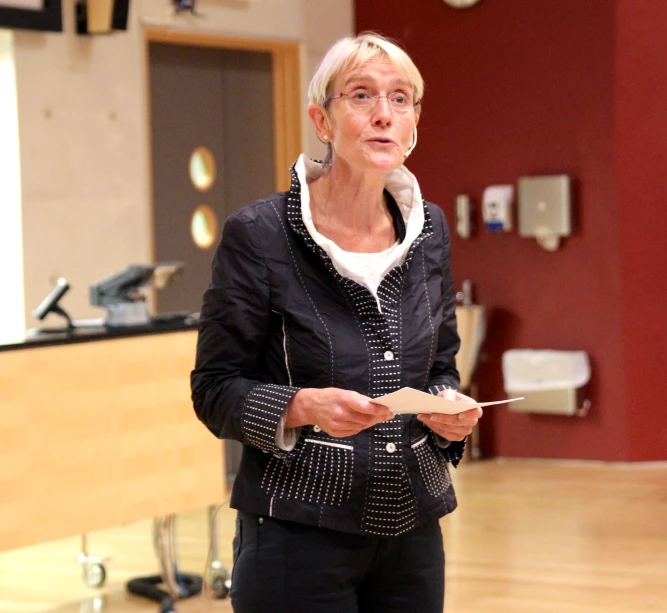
(551, 382)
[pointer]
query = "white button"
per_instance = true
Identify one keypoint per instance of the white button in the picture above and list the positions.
(317, 429)
(390, 447)
(388, 355)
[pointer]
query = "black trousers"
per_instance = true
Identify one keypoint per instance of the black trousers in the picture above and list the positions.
(285, 567)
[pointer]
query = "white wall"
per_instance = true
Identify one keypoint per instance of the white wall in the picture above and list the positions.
(12, 320)
(83, 129)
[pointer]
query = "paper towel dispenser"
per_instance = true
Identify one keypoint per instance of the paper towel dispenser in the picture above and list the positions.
(544, 209)
(552, 382)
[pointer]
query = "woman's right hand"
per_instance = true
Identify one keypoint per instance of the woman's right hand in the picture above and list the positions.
(337, 411)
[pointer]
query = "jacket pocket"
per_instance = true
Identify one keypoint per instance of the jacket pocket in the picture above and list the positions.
(319, 472)
(432, 466)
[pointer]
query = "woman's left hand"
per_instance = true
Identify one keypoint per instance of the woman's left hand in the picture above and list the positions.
(452, 427)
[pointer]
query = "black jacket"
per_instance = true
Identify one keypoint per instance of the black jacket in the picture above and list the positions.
(278, 317)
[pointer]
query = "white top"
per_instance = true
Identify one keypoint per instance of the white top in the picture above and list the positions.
(367, 269)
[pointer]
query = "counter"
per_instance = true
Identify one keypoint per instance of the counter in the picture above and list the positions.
(97, 429)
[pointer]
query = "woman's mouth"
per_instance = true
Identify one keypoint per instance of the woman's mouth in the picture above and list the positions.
(382, 141)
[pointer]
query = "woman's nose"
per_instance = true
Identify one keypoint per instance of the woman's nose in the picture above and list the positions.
(382, 111)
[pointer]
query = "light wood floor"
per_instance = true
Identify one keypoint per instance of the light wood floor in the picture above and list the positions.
(528, 537)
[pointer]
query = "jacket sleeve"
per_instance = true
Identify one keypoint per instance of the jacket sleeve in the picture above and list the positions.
(228, 394)
(443, 372)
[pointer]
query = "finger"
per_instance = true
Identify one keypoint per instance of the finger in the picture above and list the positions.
(344, 433)
(350, 419)
(446, 431)
(357, 419)
(346, 429)
(459, 397)
(442, 419)
(463, 422)
(372, 408)
(463, 416)
(450, 394)
(452, 434)
(353, 401)
(376, 412)
(475, 413)
(340, 428)
(465, 419)
(353, 422)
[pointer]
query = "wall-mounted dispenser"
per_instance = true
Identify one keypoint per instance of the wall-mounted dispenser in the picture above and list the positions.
(553, 382)
(101, 16)
(497, 207)
(544, 209)
(463, 216)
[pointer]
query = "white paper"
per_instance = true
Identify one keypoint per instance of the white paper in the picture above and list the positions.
(408, 400)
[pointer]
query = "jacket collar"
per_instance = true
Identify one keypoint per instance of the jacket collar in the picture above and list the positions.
(401, 184)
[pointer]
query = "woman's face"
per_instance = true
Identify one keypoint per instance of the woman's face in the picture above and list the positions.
(373, 138)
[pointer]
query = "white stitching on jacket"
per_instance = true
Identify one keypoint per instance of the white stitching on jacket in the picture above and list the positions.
(305, 289)
(430, 317)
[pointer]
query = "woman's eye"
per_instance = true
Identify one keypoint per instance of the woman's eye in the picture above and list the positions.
(360, 95)
(399, 99)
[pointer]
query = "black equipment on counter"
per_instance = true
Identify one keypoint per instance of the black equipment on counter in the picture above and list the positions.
(121, 293)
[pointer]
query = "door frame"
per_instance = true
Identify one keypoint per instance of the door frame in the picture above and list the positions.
(286, 75)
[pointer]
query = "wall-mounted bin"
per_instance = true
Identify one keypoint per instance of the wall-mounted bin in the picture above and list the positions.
(552, 382)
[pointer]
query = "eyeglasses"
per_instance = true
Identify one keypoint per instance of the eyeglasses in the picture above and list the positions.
(361, 100)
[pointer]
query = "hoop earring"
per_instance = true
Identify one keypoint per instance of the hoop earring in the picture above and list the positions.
(414, 143)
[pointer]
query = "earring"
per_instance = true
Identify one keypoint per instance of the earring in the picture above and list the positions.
(325, 137)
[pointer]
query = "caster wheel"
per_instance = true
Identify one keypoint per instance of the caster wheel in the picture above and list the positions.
(94, 575)
(221, 585)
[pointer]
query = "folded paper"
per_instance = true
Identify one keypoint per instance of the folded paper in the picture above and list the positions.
(408, 400)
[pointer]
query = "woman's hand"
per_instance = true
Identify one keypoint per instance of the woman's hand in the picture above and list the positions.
(452, 427)
(338, 412)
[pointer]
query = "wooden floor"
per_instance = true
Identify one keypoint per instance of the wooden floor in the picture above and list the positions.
(528, 537)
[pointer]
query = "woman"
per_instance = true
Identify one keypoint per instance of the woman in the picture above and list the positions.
(323, 298)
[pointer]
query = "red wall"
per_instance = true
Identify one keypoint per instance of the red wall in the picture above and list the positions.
(641, 166)
(520, 87)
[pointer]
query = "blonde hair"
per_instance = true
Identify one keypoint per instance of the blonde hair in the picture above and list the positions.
(349, 53)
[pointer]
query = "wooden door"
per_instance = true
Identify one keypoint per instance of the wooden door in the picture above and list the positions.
(239, 98)
(212, 151)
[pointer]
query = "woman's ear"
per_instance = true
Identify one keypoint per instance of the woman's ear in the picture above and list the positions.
(320, 121)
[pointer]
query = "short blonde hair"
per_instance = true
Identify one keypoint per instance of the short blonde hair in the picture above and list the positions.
(349, 53)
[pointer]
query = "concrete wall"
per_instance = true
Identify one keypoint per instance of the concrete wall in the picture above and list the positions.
(83, 130)
(12, 320)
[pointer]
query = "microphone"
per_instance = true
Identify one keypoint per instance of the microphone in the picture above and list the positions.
(414, 144)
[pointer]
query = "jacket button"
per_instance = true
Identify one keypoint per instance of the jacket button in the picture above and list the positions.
(317, 429)
(388, 355)
(390, 447)
(260, 520)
